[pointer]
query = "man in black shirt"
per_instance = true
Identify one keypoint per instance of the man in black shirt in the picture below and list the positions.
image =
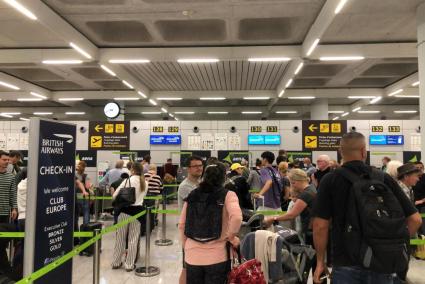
(331, 205)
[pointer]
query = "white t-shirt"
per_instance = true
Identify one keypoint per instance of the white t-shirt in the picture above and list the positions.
(134, 182)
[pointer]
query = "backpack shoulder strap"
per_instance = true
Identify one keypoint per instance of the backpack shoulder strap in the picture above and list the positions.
(347, 174)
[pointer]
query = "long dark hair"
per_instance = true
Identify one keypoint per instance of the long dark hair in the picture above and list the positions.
(214, 177)
(138, 171)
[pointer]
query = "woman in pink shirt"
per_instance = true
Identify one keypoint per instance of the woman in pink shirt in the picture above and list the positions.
(206, 258)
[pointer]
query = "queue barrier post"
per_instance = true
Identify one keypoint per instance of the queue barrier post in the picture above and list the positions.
(96, 259)
(164, 241)
(147, 270)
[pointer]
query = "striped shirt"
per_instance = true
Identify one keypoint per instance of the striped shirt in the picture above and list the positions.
(8, 192)
(154, 183)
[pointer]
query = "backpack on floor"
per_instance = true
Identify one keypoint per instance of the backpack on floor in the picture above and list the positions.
(375, 232)
(204, 214)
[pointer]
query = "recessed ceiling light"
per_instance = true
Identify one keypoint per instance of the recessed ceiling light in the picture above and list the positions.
(42, 113)
(281, 93)
(345, 114)
(415, 84)
(128, 61)
(142, 94)
(10, 86)
(357, 109)
(256, 98)
(169, 99)
(289, 83)
(21, 9)
(164, 110)
(184, 112)
(150, 112)
(407, 96)
(70, 99)
(109, 71)
(405, 111)
(58, 62)
(38, 95)
(29, 100)
(252, 112)
(341, 58)
(198, 60)
(368, 111)
(127, 99)
(341, 5)
(127, 84)
(212, 99)
(313, 46)
(170, 114)
(361, 97)
(218, 112)
(80, 50)
(23, 119)
(6, 115)
(75, 113)
(302, 98)
(300, 66)
(336, 111)
(395, 92)
(335, 118)
(176, 118)
(153, 102)
(375, 100)
(11, 113)
(268, 59)
(286, 111)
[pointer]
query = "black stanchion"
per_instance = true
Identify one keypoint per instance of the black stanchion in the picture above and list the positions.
(147, 270)
(164, 241)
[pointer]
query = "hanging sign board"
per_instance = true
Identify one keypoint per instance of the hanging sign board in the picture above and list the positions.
(88, 156)
(109, 135)
(323, 135)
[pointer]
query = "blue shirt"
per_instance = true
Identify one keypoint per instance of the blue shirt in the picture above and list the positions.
(110, 177)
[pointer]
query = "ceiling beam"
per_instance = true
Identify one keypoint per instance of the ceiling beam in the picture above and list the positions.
(404, 83)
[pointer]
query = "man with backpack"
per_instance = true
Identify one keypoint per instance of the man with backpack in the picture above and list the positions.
(372, 220)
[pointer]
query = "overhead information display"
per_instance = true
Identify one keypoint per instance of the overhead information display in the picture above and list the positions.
(165, 139)
(386, 140)
(323, 135)
(109, 135)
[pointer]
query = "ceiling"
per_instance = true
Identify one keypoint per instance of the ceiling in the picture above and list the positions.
(381, 34)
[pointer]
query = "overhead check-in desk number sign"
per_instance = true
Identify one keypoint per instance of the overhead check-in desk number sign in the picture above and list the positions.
(256, 129)
(109, 135)
(272, 129)
(323, 135)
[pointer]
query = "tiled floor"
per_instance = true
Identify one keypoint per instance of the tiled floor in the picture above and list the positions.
(168, 259)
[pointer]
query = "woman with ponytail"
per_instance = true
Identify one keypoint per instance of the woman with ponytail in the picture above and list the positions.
(210, 218)
(131, 231)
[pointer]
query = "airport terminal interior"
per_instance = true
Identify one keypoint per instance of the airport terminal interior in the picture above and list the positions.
(91, 86)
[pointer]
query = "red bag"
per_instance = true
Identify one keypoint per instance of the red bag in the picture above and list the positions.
(249, 272)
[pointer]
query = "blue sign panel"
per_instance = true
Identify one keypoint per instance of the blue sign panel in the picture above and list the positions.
(255, 139)
(386, 140)
(165, 139)
(395, 140)
(272, 139)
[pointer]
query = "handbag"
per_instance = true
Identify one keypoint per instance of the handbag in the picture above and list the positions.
(125, 197)
(249, 272)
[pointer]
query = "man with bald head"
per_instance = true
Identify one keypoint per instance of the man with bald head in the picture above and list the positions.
(322, 169)
(332, 205)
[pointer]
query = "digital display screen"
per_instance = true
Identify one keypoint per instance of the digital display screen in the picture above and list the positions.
(272, 140)
(165, 139)
(386, 140)
(263, 139)
(395, 140)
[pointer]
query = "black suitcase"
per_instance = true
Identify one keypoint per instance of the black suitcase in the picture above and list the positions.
(90, 227)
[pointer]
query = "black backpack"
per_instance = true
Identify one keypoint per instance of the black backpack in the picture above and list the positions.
(204, 214)
(375, 232)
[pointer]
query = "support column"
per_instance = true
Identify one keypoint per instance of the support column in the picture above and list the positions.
(420, 18)
(319, 109)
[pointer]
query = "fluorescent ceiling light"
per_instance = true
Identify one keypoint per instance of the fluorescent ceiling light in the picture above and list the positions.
(6, 115)
(212, 99)
(289, 83)
(80, 50)
(302, 98)
(335, 118)
(336, 111)
(415, 84)
(142, 94)
(21, 9)
(313, 46)
(150, 112)
(29, 100)
(218, 112)
(164, 110)
(281, 93)
(300, 66)
(169, 99)
(256, 98)
(70, 99)
(286, 111)
(170, 114)
(11, 113)
(127, 99)
(368, 111)
(58, 62)
(152, 102)
(407, 96)
(405, 111)
(38, 95)
(10, 86)
(269, 59)
(345, 114)
(341, 5)
(23, 119)
(395, 92)
(176, 118)
(75, 113)
(128, 61)
(375, 100)
(109, 71)
(184, 112)
(361, 97)
(42, 113)
(127, 84)
(199, 60)
(341, 58)
(356, 109)
(251, 112)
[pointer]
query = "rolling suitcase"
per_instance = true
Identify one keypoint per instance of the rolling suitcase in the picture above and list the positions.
(90, 227)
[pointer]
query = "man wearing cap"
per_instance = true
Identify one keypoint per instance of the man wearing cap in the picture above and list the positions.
(240, 185)
(408, 175)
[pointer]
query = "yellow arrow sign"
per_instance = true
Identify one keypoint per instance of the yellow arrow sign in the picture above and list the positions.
(98, 128)
(312, 127)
